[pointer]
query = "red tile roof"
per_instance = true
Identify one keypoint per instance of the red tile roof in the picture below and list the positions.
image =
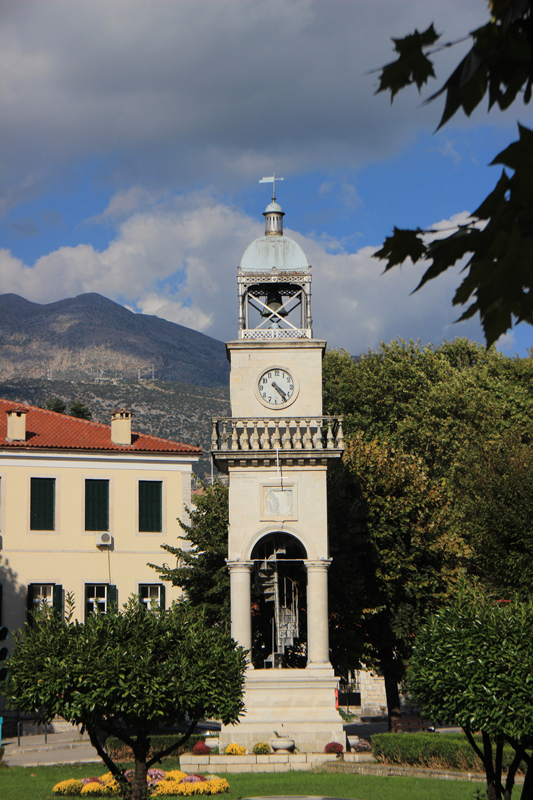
(52, 431)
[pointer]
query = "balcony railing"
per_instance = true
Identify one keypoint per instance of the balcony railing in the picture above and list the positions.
(287, 436)
(275, 333)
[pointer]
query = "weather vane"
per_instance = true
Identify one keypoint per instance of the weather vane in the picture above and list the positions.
(271, 180)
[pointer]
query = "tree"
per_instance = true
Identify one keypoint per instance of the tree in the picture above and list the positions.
(436, 402)
(77, 409)
(202, 571)
(56, 404)
(125, 673)
(415, 418)
(472, 666)
(498, 513)
(395, 553)
(497, 238)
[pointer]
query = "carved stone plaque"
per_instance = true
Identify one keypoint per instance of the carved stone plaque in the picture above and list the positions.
(279, 502)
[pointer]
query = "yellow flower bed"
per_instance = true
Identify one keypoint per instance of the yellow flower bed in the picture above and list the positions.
(70, 788)
(235, 750)
(174, 788)
(172, 785)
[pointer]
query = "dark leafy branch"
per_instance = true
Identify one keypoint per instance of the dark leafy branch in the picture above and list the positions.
(499, 234)
(498, 240)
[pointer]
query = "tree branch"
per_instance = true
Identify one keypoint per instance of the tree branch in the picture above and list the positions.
(163, 753)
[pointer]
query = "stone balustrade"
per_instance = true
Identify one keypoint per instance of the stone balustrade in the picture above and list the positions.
(286, 437)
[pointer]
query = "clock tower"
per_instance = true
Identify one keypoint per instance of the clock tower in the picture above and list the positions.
(276, 448)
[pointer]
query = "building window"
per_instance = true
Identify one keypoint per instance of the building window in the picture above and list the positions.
(96, 505)
(42, 504)
(49, 593)
(150, 506)
(152, 593)
(98, 597)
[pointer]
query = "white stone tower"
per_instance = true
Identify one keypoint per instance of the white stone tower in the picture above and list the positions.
(276, 447)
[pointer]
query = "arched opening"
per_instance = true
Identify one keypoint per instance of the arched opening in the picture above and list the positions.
(279, 603)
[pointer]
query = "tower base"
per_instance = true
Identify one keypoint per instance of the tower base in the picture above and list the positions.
(298, 703)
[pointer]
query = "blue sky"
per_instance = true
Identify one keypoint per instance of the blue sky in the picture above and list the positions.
(135, 134)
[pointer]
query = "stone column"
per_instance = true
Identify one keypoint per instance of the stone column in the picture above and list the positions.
(241, 603)
(317, 613)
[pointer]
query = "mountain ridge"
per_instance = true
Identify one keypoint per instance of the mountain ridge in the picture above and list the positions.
(92, 338)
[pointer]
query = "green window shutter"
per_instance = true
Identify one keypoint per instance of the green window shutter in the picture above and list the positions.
(42, 504)
(57, 599)
(88, 606)
(150, 506)
(96, 505)
(112, 596)
(162, 598)
(29, 604)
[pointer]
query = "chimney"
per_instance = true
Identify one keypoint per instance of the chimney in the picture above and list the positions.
(16, 424)
(121, 426)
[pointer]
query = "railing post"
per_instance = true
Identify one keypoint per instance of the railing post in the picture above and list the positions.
(297, 440)
(340, 436)
(330, 441)
(286, 438)
(244, 439)
(254, 440)
(224, 436)
(307, 440)
(265, 437)
(275, 438)
(317, 438)
(234, 435)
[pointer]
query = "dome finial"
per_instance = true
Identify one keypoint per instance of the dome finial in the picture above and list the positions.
(273, 213)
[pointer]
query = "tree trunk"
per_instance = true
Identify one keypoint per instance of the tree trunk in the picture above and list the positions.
(527, 791)
(391, 691)
(140, 779)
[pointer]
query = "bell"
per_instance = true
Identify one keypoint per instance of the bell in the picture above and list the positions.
(274, 302)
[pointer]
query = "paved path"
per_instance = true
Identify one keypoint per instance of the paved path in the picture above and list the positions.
(61, 748)
(66, 747)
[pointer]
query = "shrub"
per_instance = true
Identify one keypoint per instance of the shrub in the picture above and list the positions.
(446, 750)
(121, 752)
(334, 747)
(261, 749)
(201, 749)
(235, 750)
(1, 753)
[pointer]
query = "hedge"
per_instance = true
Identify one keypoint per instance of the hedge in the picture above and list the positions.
(121, 752)
(435, 750)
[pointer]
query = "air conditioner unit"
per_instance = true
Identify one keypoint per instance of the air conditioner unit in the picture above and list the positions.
(103, 540)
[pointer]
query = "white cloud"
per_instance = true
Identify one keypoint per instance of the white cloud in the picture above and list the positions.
(216, 91)
(178, 261)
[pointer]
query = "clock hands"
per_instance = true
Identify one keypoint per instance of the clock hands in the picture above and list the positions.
(279, 391)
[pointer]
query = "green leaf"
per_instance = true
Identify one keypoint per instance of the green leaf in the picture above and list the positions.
(403, 244)
(412, 66)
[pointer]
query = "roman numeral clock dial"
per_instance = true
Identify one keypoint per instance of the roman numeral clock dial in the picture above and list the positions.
(276, 387)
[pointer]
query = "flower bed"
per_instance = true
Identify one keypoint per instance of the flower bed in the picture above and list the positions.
(160, 783)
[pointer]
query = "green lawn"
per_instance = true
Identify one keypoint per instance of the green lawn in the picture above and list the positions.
(35, 783)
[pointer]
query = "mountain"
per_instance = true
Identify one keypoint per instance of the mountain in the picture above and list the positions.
(92, 339)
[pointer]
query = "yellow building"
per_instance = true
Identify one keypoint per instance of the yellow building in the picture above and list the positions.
(83, 508)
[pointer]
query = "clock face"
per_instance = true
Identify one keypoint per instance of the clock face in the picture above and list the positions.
(276, 387)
